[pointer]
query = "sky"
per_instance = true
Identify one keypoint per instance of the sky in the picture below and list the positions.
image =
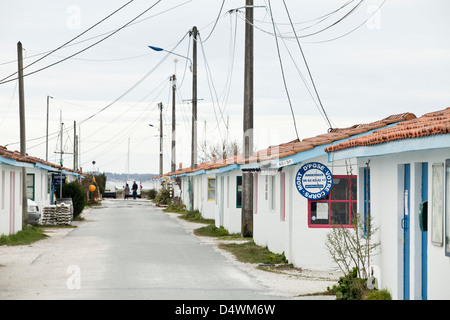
(367, 59)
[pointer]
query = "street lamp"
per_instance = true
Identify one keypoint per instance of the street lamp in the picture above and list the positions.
(171, 52)
(194, 34)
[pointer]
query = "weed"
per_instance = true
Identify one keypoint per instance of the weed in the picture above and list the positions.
(28, 235)
(252, 253)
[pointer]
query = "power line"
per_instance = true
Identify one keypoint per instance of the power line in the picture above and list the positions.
(102, 34)
(136, 84)
(88, 47)
(121, 96)
(351, 31)
(215, 23)
(315, 19)
(63, 45)
(310, 34)
(307, 66)
(282, 72)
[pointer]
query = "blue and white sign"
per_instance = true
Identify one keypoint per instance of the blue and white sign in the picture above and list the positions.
(314, 180)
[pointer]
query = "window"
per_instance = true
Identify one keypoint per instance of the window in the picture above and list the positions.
(3, 189)
(255, 193)
(437, 203)
(338, 207)
(366, 198)
(239, 192)
(266, 188)
(272, 193)
(211, 189)
(30, 186)
(228, 192)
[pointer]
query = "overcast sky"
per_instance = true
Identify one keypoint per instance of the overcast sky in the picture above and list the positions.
(384, 58)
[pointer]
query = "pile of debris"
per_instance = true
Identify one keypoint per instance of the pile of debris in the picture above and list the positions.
(57, 214)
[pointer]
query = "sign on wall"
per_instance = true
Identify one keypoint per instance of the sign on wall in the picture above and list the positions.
(314, 180)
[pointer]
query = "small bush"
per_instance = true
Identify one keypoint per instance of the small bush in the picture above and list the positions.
(151, 195)
(378, 295)
(195, 216)
(350, 287)
(176, 208)
(276, 258)
(211, 231)
(163, 197)
(249, 252)
(76, 192)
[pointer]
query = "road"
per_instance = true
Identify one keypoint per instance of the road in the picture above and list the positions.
(124, 250)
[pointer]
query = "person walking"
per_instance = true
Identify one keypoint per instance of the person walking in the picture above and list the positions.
(134, 188)
(126, 191)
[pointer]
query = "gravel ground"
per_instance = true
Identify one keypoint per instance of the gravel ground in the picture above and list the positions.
(290, 283)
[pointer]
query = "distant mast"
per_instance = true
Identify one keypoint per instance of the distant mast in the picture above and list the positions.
(128, 161)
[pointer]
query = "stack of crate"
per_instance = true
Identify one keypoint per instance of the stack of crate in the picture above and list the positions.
(59, 214)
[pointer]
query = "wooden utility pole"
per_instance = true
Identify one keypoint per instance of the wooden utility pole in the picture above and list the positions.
(61, 155)
(194, 115)
(174, 88)
(75, 151)
(194, 100)
(46, 134)
(23, 148)
(161, 172)
(247, 177)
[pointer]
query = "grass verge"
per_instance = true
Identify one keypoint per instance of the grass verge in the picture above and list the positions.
(28, 235)
(251, 253)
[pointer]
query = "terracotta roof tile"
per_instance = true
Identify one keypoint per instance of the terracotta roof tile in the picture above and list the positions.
(15, 155)
(296, 146)
(432, 123)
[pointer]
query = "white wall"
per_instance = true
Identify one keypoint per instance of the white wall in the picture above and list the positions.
(387, 205)
(41, 194)
(10, 199)
(303, 246)
(231, 219)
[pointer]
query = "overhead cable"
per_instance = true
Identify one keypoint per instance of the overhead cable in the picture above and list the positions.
(66, 43)
(307, 66)
(282, 72)
(88, 47)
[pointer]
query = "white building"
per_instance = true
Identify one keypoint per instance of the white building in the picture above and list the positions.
(39, 186)
(400, 169)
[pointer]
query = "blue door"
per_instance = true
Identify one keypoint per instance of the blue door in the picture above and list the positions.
(405, 226)
(424, 234)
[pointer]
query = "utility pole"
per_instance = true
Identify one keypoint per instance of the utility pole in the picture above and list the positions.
(247, 177)
(194, 115)
(61, 156)
(75, 155)
(46, 135)
(174, 88)
(23, 149)
(194, 100)
(161, 172)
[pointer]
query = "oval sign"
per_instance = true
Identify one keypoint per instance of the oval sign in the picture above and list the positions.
(314, 180)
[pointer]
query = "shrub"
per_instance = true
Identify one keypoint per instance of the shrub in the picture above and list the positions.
(375, 294)
(176, 208)
(211, 231)
(350, 287)
(163, 197)
(76, 192)
(276, 258)
(152, 194)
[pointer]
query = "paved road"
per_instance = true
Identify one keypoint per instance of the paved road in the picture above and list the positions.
(125, 250)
